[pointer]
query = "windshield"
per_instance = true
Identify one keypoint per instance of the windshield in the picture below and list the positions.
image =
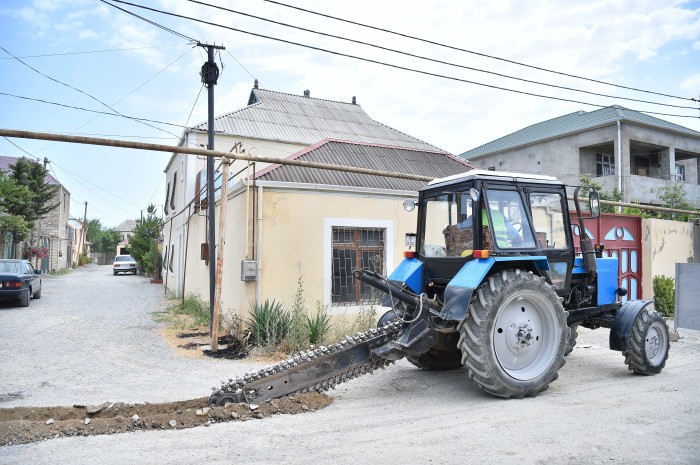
(9, 267)
(447, 227)
(124, 258)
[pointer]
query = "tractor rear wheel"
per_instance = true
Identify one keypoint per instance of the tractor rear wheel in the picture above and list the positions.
(648, 343)
(573, 334)
(514, 336)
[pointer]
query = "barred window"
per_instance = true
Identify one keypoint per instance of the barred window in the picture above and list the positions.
(605, 164)
(355, 248)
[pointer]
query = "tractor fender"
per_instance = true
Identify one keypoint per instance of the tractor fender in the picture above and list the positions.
(624, 320)
(458, 293)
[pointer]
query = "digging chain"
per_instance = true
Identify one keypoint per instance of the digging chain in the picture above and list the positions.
(237, 390)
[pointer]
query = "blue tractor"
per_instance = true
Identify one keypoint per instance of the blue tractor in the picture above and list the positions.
(493, 282)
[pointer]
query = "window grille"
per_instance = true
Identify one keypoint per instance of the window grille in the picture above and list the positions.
(605, 164)
(680, 173)
(356, 248)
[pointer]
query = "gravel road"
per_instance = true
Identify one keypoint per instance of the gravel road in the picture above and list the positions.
(91, 338)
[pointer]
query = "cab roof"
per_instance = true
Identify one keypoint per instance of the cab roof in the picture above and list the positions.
(495, 175)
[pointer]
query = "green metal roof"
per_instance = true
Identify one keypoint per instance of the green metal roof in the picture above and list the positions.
(573, 123)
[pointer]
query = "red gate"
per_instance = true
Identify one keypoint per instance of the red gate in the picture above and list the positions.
(621, 235)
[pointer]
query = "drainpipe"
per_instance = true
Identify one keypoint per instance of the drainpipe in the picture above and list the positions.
(258, 283)
(619, 158)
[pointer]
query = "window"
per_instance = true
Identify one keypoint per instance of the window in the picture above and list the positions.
(355, 248)
(508, 220)
(167, 195)
(680, 173)
(548, 219)
(605, 164)
(172, 255)
(172, 195)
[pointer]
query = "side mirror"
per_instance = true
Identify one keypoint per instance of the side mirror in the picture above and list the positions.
(409, 205)
(594, 203)
(37, 271)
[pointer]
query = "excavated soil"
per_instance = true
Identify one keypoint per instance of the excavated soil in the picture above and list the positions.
(21, 425)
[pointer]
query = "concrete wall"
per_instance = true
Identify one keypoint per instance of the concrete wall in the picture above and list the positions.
(572, 155)
(664, 243)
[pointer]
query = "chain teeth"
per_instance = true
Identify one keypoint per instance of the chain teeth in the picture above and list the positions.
(312, 353)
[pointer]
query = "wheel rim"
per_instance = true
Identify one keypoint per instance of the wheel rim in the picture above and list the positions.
(526, 335)
(655, 343)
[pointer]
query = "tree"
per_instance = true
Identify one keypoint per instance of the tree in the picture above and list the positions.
(37, 204)
(142, 245)
(675, 196)
(12, 199)
(102, 239)
(588, 184)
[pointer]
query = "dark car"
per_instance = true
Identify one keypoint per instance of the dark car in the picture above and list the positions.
(19, 281)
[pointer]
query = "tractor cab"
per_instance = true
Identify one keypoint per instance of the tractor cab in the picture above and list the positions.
(518, 219)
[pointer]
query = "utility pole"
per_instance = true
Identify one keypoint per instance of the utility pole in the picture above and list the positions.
(210, 74)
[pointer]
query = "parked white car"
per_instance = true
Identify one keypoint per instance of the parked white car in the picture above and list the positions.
(124, 264)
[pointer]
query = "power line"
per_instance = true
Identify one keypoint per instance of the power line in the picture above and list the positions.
(91, 111)
(99, 187)
(33, 156)
(92, 51)
(150, 22)
(79, 90)
(434, 60)
(477, 53)
(404, 68)
(240, 64)
(93, 192)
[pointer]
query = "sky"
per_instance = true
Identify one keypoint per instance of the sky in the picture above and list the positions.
(91, 56)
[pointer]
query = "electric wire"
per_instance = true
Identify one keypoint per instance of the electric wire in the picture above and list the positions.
(10, 141)
(151, 22)
(93, 192)
(432, 42)
(92, 183)
(91, 111)
(240, 64)
(434, 60)
(390, 65)
(81, 91)
(92, 51)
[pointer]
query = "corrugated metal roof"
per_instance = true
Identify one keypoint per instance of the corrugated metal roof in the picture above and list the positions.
(572, 123)
(126, 226)
(6, 161)
(277, 116)
(378, 157)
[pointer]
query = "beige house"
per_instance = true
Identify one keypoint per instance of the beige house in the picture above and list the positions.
(125, 230)
(282, 221)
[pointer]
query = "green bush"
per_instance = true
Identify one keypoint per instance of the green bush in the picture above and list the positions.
(195, 307)
(269, 324)
(319, 325)
(664, 295)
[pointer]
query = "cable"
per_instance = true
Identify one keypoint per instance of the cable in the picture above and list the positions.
(477, 53)
(33, 156)
(452, 78)
(90, 182)
(240, 64)
(91, 111)
(434, 60)
(95, 193)
(93, 51)
(151, 22)
(78, 90)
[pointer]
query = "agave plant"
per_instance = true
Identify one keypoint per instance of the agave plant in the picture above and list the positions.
(269, 324)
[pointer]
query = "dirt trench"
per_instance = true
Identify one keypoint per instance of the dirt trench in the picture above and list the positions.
(21, 425)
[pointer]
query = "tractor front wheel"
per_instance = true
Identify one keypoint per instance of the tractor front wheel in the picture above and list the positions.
(648, 343)
(514, 336)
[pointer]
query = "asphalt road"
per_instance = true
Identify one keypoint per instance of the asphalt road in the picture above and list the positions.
(92, 338)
